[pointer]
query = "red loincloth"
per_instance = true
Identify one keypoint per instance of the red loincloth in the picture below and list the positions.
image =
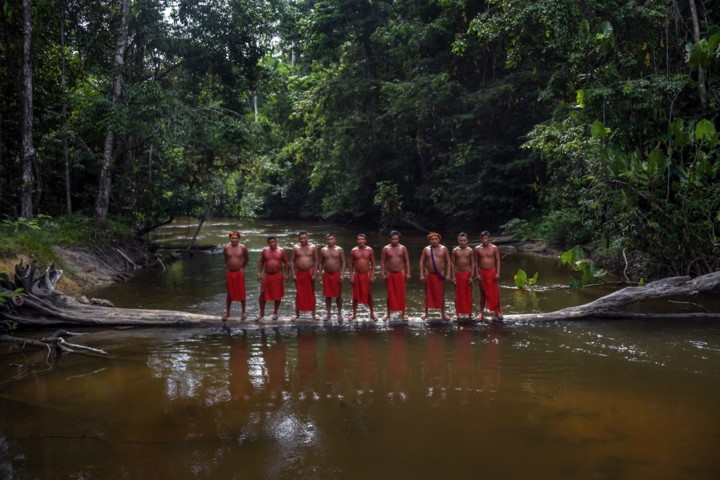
(331, 285)
(361, 288)
(272, 287)
(305, 295)
(235, 285)
(490, 289)
(463, 293)
(434, 291)
(396, 291)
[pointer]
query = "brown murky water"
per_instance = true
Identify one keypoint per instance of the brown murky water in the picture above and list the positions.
(596, 400)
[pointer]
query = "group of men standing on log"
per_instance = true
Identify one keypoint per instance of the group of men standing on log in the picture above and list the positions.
(309, 263)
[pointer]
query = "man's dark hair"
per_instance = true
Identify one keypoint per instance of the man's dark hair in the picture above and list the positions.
(302, 232)
(271, 237)
(394, 232)
(485, 233)
(328, 235)
(362, 235)
(462, 234)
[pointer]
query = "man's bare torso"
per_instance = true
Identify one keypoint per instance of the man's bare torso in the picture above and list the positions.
(394, 258)
(331, 258)
(485, 256)
(361, 259)
(304, 257)
(439, 253)
(462, 259)
(235, 257)
(272, 259)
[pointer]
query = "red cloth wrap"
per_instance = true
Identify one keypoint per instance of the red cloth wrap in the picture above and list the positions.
(305, 294)
(434, 291)
(361, 288)
(396, 291)
(272, 287)
(490, 288)
(331, 285)
(235, 285)
(463, 293)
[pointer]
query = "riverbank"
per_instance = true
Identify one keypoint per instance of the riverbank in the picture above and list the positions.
(87, 267)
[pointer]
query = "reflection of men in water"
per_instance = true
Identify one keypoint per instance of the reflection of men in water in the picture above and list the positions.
(462, 261)
(487, 260)
(491, 358)
(241, 388)
(464, 363)
(435, 378)
(334, 365)
(434, 264)
(272, 262)
(397, 364)
(307, 364)
(365, 374)
(304, 264)
(362, 274)
(274, 356)
(395, 270)
(332, 264)
(236, 259)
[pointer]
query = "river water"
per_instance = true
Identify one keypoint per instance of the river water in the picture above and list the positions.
(561, 400)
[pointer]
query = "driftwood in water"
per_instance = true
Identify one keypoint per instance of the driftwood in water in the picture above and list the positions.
(615, 304)
(42, 306)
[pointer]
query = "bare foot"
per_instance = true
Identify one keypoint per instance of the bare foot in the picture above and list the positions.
(386, 317)
(405, 318)
(446, 319)
(275, 316)
(373, 318)
(244, 316)
(340, 317)
(352, 317)
(423, 316)
(225, 317)
(327, 317)
(259, 316)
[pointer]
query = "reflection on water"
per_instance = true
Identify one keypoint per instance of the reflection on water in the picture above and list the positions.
(593, 400)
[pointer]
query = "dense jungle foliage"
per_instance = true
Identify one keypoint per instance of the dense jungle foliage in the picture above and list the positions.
(575, 121)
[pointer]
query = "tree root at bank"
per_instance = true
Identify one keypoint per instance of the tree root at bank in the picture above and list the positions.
(40, 305)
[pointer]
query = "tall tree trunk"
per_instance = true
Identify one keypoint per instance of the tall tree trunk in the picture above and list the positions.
(103, 197)
(66, 158)
(26, 101)
(696, 38)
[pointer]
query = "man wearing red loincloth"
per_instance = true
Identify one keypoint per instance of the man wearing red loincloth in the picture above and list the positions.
(487, 259)
(304, 264)
(236, 259)
(462, 261)
(273, 261)
(434, 264)
(362, 274)
(332, 264)
(395, 270)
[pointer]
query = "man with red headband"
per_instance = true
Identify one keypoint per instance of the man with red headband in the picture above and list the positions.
(236, 258)
(487, 260)
(434, 265)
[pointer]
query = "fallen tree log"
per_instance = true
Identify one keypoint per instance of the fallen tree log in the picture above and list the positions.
(43, 306)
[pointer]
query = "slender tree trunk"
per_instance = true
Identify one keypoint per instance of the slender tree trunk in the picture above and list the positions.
(255, 106)
(696, 38)
(66, 158)
(103, 197)
(26, 101)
